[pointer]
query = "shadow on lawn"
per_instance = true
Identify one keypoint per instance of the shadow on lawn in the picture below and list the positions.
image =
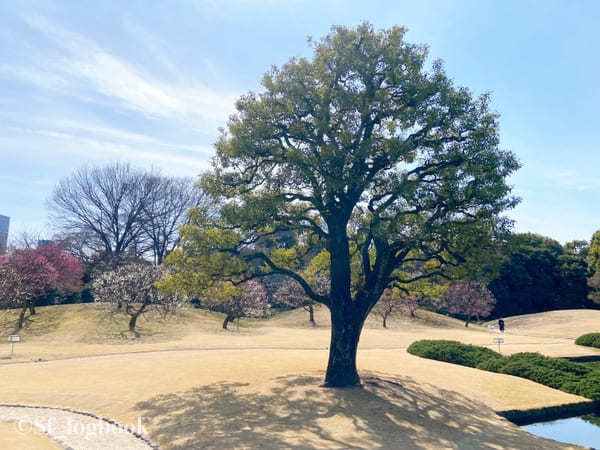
(297, 414)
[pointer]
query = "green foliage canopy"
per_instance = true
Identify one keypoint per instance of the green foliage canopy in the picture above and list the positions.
(539, 275)
(364, 152)
(593, 255)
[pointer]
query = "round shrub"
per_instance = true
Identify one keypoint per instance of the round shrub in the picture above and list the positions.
(589, 340)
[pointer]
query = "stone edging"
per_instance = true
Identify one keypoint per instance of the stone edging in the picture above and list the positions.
(113, 422)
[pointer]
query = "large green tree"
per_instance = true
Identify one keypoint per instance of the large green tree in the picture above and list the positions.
(365, 152)
(593, 254)
(539, 275)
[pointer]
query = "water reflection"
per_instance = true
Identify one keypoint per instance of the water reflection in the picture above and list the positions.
(584, 431)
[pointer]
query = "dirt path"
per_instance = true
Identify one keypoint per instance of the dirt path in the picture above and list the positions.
(263, 348)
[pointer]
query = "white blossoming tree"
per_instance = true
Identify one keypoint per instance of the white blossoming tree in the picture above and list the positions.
(13, 287)
(133, 287)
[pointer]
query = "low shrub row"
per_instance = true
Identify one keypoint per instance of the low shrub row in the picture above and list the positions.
(453, 352)
(575, 378)
(589, 340)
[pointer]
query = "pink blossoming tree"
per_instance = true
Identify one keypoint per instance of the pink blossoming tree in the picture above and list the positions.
(470, 299)
(29, 274)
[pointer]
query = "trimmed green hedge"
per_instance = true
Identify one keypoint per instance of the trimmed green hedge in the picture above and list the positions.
(453, 352)
(589, 340)
(575, 378)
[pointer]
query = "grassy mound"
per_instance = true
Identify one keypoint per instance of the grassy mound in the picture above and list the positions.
(589, 340)
(575, 378)
(97, 323)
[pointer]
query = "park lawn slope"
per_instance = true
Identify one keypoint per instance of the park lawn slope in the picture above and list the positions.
(568, 323)
(68, 331)
(262, 380)
(13, 436)
(255, 398)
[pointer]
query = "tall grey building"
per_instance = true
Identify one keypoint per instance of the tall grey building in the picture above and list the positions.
(4, 223)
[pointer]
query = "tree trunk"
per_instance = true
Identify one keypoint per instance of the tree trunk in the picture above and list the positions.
(228, 318)
(345, 333)
(132, 322)
(384, 321)
(347, 316)
(467, 322)
(311, 314)
(21, 318)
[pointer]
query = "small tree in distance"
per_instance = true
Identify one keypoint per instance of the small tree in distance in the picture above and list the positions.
(133, 287)
(249, 299)
(34, 273)
(393, 301)
(470, 299)
(292, 294)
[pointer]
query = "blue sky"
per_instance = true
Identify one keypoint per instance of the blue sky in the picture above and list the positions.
(150, 82)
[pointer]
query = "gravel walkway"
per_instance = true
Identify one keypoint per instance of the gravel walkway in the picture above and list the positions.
(76, 430)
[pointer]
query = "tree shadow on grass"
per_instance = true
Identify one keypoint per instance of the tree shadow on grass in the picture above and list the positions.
(295, 413)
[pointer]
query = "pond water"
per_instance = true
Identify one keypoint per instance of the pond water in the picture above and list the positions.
(574, 430)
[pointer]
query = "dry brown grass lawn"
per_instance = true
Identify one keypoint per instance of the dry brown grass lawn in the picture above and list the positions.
(24, 437)
(569, 324)
(197, 386)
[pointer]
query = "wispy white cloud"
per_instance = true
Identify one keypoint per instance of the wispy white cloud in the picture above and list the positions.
(112, 134)
(85, 143)
(155, 46)
(79, 67)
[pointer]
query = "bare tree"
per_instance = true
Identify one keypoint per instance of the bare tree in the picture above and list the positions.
(165, 211)
(394, 300)
(107, 202)
(82, 244)
(117, 209)
(28, 237)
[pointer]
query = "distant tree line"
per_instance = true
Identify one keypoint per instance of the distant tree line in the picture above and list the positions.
(539, 274)
(115, 215)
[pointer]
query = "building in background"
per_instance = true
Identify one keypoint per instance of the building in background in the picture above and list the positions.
(4, 224)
